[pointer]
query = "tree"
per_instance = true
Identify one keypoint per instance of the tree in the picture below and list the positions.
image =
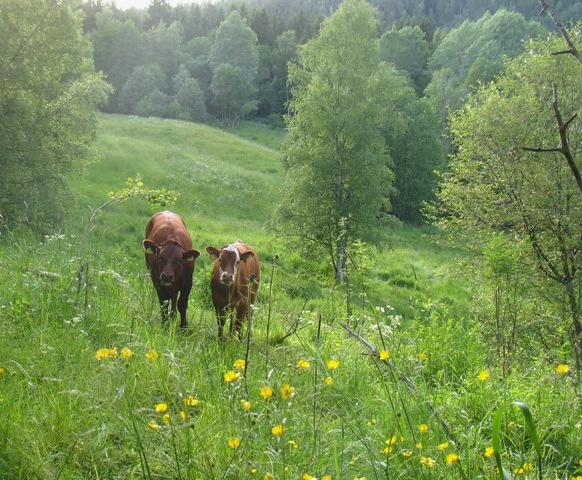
(473, 49)
(143, 81)
(284, 52)
(337, 180)
(408, 49)
(117, 50)
(163, 47)
(49, 93)
(235, 44)
(232, 94)
(188, 101)
(159, 11)
(413, 139)
(496, 185)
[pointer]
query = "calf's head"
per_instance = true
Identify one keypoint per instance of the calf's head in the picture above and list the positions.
(229, 260)
(169, 261)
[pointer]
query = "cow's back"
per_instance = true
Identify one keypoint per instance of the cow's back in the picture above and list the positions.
(168, 226)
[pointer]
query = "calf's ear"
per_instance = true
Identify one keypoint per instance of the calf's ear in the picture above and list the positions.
(213, 252)
(191, 255)
(245, 256)
(150, 247)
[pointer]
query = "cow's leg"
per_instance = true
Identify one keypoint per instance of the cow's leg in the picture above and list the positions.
(241, 313)
(183, 304)
(164, 299)
(221, 313)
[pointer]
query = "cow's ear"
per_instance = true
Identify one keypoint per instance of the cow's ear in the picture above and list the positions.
(245, 256)
(191, 255)
(150, 247)
(213, 252)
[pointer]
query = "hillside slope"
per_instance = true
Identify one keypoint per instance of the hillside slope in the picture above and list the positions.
(94, 387)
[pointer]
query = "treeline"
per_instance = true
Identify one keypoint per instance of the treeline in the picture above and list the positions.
(165, 60)
(226, 61)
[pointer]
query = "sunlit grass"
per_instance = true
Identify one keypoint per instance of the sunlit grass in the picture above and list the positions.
(104, 391)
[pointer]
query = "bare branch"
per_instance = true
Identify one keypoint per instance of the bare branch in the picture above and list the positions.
(564, 147)
(534, 149)
(572, 48)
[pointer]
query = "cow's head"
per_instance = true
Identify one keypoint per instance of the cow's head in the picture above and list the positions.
(229, 259)
(169, 261)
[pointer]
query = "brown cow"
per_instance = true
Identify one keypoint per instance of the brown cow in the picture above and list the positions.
(170, 259)
(235, 282)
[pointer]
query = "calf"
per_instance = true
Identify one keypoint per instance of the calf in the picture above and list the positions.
(234, 283)
(170, 259)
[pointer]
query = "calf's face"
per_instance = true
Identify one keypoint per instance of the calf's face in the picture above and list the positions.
(169, 262)
(228, 262)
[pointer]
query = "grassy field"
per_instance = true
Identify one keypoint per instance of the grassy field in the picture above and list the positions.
(92, 386)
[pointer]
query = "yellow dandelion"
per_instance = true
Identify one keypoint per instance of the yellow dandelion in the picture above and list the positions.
(253, 470)
(443, 446)
(182, 415)
(166, 418)
(231, 376)
(518, 471)
(387, 450)
(484, 375)
(306, 476)
(418, 445)
(2, 370)
(153, 425)
(422, 356)
(268, 476)
(384, 355)
(245, 405)
(333, 364)
(423, 428)
(406, 453)
(233, 443)
(126, 353)
(580, 462)
(303, 364)
(528, 467)
(103, 353)
(152, 355)
(161, 407)
(562, 369)
(451, 458)
(328, 381)
(393, 440)
(278, 430)
(266, 392)
(239, 364)
(428, 462)
(372, 422)
(326, 477)
(286, 391)
(577, 477)
(191, 401)
(489, 452)
(293, 444)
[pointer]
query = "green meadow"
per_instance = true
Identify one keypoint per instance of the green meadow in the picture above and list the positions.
(93, 387)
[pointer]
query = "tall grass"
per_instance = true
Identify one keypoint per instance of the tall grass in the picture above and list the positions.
(68, 414)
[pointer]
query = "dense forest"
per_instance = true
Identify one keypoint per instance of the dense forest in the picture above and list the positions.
(229, 61)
